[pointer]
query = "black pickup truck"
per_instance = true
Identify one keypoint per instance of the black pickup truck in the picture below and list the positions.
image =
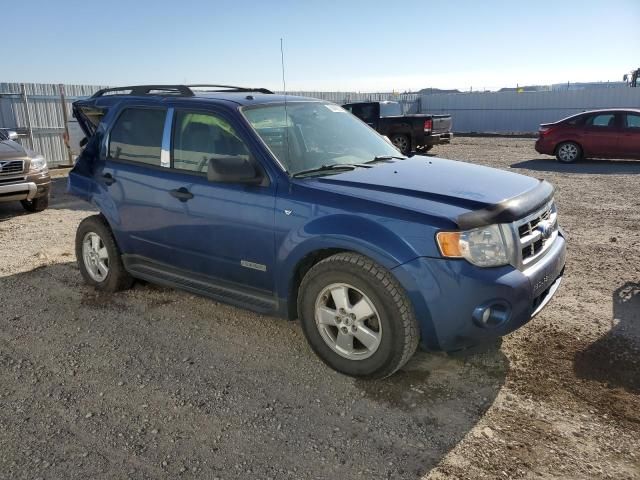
(409, 133)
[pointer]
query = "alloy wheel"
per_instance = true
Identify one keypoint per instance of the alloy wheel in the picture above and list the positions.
(95, 256)
(348, 321)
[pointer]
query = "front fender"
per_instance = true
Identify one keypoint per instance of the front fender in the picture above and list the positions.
(342, 232)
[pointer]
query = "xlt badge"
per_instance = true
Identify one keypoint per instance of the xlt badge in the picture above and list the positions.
(255, 266)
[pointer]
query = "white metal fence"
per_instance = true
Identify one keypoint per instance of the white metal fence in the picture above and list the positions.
(512, 112)
(35, 111)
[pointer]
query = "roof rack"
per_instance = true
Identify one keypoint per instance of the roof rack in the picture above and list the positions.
(230, 88)
(174, 90)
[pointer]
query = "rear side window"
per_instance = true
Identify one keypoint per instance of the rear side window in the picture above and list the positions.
(197, 137)
(633, 120)
(603, 120)
(137, 136)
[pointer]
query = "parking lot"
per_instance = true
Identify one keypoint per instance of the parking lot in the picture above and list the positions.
(156, 383)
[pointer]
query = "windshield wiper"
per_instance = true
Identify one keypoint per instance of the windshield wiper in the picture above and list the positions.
(326, 168)
(382, 158)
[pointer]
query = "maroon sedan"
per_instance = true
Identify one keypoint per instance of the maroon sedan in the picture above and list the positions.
(594, 134)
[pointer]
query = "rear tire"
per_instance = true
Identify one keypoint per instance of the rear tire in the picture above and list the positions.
(99, 257)
(402, 143)
(36, 205)
(568, 152)
(374, 333)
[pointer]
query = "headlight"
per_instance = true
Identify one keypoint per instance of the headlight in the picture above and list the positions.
(37, 163)
(489, 246)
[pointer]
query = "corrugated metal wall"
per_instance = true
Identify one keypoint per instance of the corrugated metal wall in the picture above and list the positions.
(41, 129)
(482, 112)
(410, 101)
(512, 112)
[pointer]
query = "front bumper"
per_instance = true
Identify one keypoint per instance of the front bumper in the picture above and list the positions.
(18, 191)
(33, 186)
(446, 295)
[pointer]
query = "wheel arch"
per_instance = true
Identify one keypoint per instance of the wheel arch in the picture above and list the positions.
(329, 236)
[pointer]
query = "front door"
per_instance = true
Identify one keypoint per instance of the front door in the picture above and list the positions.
(222, 230)
(630, 141)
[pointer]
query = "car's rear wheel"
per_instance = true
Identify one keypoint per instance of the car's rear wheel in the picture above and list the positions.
(568, 152)
(36, 205)
(356, 316)
(402, 143)
(98, 256)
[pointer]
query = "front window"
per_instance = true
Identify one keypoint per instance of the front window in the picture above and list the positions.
(314, 134)
(197, 137)
(633, 121)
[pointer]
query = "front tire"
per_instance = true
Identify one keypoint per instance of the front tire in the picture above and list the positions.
(99, 257)
(568, 152)
(356, 316)
(36, 205)
(402, 143)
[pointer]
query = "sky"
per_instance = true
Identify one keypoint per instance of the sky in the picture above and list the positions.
(328, 45)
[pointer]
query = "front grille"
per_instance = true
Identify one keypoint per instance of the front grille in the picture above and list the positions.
(11, 167)
(537, 232)
(10, 179)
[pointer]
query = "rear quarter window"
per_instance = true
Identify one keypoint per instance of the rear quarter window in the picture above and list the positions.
(137, 136)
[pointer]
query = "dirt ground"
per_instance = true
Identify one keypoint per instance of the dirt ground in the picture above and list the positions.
(154, 383)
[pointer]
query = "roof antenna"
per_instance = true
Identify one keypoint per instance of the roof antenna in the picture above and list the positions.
(286, 116)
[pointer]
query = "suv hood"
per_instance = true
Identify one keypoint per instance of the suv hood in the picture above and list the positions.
(464, 193)
(10, 150)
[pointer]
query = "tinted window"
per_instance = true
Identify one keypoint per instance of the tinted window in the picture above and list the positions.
(633, 120)
(197, 137)
(602, 120)
(137, 136)
(366, 112)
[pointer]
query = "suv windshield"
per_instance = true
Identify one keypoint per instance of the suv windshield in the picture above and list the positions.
(314, 135)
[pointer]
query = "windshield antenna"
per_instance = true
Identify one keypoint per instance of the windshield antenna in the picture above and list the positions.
(284, 89)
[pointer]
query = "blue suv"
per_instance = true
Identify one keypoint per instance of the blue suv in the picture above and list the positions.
(292, 206)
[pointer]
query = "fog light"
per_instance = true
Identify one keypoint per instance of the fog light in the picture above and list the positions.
(492, 314)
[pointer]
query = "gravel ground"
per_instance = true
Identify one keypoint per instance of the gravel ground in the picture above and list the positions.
(156, 383)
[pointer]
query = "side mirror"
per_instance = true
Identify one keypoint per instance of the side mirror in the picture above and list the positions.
(12, 135)
(233, 169)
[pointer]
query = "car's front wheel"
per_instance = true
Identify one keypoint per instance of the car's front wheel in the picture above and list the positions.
(356, 316)
(98, 256)
(568, 152)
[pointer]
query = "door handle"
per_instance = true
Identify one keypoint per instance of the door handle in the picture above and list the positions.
(108, 179)
(181, 194)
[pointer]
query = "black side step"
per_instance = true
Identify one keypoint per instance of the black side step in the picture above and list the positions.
(149, 270)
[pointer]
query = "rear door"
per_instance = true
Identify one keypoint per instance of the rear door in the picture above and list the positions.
(630, 141)
(602, 133)
(136, 175)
